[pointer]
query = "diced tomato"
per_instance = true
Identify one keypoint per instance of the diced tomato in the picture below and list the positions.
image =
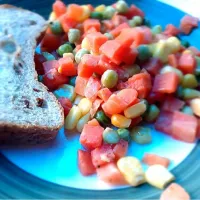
(133, 11)
(88, 65)
(113, 50)
(173, 60)
(194, 50)
(153, 66)
(198, 129)
(67, 22)
(66, 104)
(67, 67)
(114, 105)
(179, 125)
(92, 88)
(171, 104)
(187, 63)
(188, 23)
(75, 12)
(89, 23)
(135, 121)
(95, 41)
(171, 30)
(156, 97)
(107, 25)
(102, 155)
(128, 95)
(142, 83)
(118, 19)
(153, 159)
(91, 136)
(85, 163)
(39, 59)
(95, 106)
(80, 85)
(93, 122)
(53, 79)
(59, 8)
(122, 85)
(129, 56)
(110, 174)
(120, 149)
(116, 31)
(174, 192)
(166, 83)
(50, 42)
(104, 94)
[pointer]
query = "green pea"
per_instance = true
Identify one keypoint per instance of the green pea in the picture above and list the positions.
(72, 81)
(102, 118)
(179, 92)
(96, 15)
(109, 78)
(108, 12)
(144, 52)
(124, 134)
(187, 110)
(80, 54)
(74, 35)
(66, 91)
(56, 27)
(146, 22)
(197, 70)
(189, 81)
(65, 48)
(156, 29)
(185, 43)
(132, 23)
(110, 136)
(141, 135)
(190, 93)
(138, 20)
(40, 78)
(48, 56)
(121, 6)
(109, 36)
(152, 113)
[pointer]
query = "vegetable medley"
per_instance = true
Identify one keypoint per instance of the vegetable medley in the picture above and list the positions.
(111, 70)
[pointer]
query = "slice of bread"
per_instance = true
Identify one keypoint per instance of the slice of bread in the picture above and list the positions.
(28, 112)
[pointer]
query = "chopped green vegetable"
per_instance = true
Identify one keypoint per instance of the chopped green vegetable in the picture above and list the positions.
(185, 43)
(110, 136)
(141, 135)
(109, 78)
(108, 12)
(121, 6)
(65, 48)
(138, 20)
(146, 22)
(189, 81)
(179, 92)
(124, 134)
(152, 113)
(102, 118)
(190, 93)
(48, 56)
(156, 29)
(74, 35)
(80, 54)
(56, 27)
(96, 15)
(144, 52)
(187, 110)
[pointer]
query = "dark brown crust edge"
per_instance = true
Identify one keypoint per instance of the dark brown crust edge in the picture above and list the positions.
(11, 133)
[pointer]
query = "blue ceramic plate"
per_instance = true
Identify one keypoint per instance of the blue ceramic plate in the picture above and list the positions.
(50, 170)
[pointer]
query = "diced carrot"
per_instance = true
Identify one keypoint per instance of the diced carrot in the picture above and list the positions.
(75, 12)
(166, 83)
(67, 67)
(95, 40)
(142, 83)
(88, 65)
(174, 192)
(80, 85)
(104, 94)
(89, 23)
(95, 106)
(187, 63)
(116, 31)
(93, 122)
(107, 25)
(133, 11)
(92, 88)
(153, 159)
(118, 19)
(67, 22)
(59, 8)
(171, 30)
(187, 23)
(173, 60)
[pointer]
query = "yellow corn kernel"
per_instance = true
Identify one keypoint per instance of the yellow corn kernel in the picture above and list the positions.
(85, 44)
(78, 99)
(85, 105)
(100, 8)
(86, 13)
(120, 121)
(72, 118)
(174, 44)
(158, 176)
(135, 110)
(71, 55)
(131, 169)
(82, 121)
(52, 16)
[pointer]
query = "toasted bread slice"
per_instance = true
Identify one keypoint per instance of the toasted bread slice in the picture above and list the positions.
(28, 112)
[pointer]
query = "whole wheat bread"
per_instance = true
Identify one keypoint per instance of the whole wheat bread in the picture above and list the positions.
(28, 112)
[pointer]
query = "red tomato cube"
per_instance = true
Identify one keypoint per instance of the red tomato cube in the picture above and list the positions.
(187, 23)
(120, 149)
(89, 23)
(80, 85)
(67, 67)
(66, 104)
